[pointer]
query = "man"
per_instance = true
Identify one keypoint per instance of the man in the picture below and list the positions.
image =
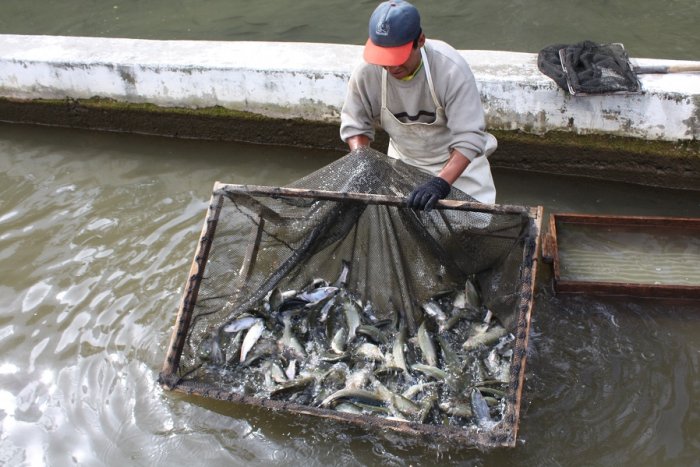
(424, 95)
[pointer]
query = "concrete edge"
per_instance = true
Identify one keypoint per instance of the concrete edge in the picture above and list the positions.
(304, 80)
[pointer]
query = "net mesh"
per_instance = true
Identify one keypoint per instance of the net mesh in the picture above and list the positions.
(386, 260)
(589, 68)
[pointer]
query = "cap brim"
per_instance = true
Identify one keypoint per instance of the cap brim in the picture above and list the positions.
(387, 56)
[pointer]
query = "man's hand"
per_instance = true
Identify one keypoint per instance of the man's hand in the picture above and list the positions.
(426, 195)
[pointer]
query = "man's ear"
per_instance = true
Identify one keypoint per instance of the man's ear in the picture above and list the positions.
(421, 40)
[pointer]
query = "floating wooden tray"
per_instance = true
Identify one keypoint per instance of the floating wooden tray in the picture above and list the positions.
(624, 255)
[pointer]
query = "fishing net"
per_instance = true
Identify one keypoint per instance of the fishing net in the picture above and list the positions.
(589, 68)
(293, 262)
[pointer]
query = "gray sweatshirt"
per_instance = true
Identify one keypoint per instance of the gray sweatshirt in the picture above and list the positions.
(410, 101)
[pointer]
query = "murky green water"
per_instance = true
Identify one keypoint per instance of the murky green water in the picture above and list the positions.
(650, 255)
(97, 232)
(647, 28)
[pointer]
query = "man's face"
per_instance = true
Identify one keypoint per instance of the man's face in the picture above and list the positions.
(407, 67)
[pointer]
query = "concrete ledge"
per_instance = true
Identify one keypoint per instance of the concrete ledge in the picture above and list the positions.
(302, 80)
(291, 94)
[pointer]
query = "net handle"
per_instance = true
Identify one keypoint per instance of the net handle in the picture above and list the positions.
(399, 201)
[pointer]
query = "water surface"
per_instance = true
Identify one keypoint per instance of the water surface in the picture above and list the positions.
(648, 28)
(97, 233)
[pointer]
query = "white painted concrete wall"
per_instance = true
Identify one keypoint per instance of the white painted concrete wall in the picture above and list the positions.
(308, 80)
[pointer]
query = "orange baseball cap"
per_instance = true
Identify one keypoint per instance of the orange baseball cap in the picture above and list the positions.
(393, 27)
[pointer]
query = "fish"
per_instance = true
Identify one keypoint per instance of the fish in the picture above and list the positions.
(358, 379)
(431, 371)
(417, 388)
(317, 295)
(210, 349)
(456, 408)
(434, 310)
(497, 367)
(472, 295)
(275, 299)
(426, 405)
(288, 340)
(369, 351)
(338, 341)
(397, 351)
(361, 395)
(425, 343)
(321, 345)
(240, 324)
(323, 314)
(348, 407)
(291, 370)
(277, 373)
(480, 410)
(373, 333)
(342, 280)
(483, 335)
(294, 385)
(251, 337)
(352, 318)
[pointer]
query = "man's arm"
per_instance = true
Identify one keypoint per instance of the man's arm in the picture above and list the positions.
(360, 108)
(357, 141)
(455, 166)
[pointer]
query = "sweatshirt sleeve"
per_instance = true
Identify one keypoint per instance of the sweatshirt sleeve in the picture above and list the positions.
(464, 111)
(361, 107)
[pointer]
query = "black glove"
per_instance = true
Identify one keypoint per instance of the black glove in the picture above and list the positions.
(426, 195)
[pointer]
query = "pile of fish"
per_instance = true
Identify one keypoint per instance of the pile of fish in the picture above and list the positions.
(321, 346)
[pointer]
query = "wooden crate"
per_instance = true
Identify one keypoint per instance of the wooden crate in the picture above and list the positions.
(504, 434)
(624, 255)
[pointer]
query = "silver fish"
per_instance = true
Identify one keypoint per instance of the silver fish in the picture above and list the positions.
(483, 335)
(480, 409)
(251, 337)
(471, 294)
(426, 345)
(417, 388)
(277, 373)
(323, 314)
(457, 409)
(358, 379)
(342, 280)
(434, 310)
(292, 386)
(288, 340)
(291, 371)
(497, 367)
(372, 332)
(460, 300)
(318, 294)
(348, 407)
(210, 349)
(338, 341)
(361, 395)
(397, 351)
(275, 299)
(369, 351)
(352, 318)
(241, 324)
(402, 404)
(431, 371)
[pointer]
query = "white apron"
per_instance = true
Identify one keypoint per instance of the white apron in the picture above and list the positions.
(425, 145)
